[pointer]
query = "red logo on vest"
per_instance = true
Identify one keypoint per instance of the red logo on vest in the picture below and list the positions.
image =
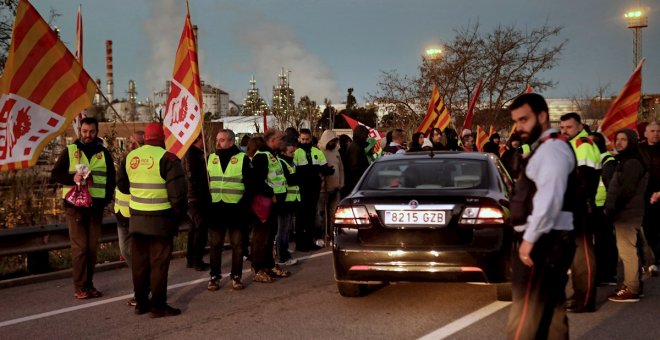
(135, 162)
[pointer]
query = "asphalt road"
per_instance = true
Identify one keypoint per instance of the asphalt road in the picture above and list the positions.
(303, 306)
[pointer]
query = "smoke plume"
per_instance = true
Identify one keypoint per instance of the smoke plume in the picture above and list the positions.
(163, 28)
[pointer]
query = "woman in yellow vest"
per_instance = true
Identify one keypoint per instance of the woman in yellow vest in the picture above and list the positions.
(288, 208)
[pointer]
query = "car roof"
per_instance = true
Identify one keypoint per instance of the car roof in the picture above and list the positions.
(437, 154)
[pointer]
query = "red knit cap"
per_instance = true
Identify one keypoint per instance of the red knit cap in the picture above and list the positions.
(154, 131)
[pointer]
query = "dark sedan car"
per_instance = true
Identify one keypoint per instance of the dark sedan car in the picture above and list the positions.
(425, 217)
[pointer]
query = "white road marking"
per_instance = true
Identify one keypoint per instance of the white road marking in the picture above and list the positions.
(121, 298)
(464, 322)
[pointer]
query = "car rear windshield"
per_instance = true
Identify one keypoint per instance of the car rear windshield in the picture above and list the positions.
(430, 174)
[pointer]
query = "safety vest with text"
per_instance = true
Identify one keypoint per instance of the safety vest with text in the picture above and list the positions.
(97, 168)
(275, 177)
(226, 186)
(148, 191)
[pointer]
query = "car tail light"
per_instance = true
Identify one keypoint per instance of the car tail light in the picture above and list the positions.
(356, 216)
(482, 215)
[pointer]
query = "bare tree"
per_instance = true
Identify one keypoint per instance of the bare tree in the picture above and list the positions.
(307, 110)
(507, 59)
(7, 14)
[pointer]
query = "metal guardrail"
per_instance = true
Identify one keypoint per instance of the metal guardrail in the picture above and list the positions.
(26, 240)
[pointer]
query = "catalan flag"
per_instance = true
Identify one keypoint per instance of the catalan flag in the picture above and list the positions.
(482, 138)
(43, 87)
(469, 116)
(437, 115)
(491, 131)
(183, 116)
(623, 112)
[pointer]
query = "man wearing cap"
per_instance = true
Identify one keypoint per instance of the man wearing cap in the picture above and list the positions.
(85, 222)
(157, 185)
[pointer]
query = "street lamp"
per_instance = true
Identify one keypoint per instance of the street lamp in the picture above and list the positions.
(637, 20)
(433, 53)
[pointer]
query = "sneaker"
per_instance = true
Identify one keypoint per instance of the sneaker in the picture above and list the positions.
(164, 312)
(263, 277)
(236, 284)
(289, 262)
(624, 295)
(131, 302)
(81, 294)
(214, 283)
(93, 293)
(279, 272)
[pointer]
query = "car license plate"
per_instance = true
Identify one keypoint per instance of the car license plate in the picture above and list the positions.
(414, 217)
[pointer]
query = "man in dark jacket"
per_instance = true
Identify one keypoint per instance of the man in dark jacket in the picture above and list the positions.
(155, 180)
(650, 151)
(229, 170)
(357, 161)
(624, 205)
(85, 222)
(199, 203)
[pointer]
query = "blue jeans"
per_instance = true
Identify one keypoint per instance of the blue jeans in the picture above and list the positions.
(284, 226)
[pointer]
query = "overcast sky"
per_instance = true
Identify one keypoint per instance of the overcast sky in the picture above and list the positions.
(331, 45)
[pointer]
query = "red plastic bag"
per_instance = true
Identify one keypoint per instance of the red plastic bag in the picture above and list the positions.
(261, 206)
(79, 196)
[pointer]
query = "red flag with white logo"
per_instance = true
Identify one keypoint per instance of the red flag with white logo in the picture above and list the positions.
(42, 88)
(183, 116)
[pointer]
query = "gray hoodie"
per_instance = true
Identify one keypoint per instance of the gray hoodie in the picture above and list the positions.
(335, 181)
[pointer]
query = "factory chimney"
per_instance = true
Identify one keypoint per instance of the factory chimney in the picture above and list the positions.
(108, 71)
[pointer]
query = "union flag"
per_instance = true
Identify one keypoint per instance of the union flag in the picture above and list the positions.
(623, 112)
(43, 87)
(372, 132)
(482, 138)
(437, 114)
(183, 116)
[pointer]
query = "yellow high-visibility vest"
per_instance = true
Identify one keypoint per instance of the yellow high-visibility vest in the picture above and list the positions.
(97, 168)
(226, 186)
(275, 177)
(292, 191)
(148, 191)
(121, 203)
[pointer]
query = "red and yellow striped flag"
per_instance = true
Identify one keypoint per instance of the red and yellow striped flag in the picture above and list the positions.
(437, 115)
(529, 89)
(623, 112)
(183, 117)
(482, 138)
(43, 87)
(491, 131)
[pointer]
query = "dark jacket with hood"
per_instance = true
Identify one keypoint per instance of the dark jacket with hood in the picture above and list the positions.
(357, 161)
(61, 175)
(194, 166)
(491, 146)
(625, 194)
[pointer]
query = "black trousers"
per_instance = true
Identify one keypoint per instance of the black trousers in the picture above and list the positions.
(538, 308)
(607, 256)
(198, 234)
(305, 224)
(261, 244)
(651, 226)
(217, 240)
(151, 263)
(583, 268)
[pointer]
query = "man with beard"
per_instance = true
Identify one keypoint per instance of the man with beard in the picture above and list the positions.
(311, 165)
(583, 269)
(85, 222)
(229, 169)
(541, 213)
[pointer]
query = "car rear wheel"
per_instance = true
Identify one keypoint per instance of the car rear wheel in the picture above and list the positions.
(347, 289)
(503, 291)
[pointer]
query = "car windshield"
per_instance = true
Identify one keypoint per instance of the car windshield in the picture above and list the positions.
(426, 174)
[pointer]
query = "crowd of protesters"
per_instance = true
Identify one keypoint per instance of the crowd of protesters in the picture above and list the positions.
(283, 187)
